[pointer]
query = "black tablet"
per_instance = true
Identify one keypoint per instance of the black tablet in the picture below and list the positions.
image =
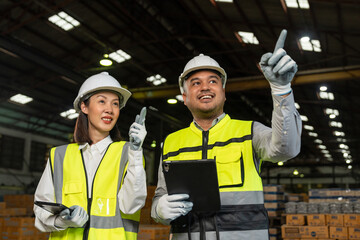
(198, 178)
(54, 208)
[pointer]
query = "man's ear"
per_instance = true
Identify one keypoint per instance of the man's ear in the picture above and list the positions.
(84, 108)
(184, 98)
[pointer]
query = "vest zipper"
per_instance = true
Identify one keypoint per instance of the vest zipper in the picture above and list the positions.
(87, 225)
(205, 139)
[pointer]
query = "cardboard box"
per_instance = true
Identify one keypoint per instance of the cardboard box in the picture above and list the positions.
(314, 231)
(316, 219)
(290, 231)
(273, 188)
(273, 196)
(338, 232)
(335, 220)
(352, 220)
(354, 233)
(295, 219)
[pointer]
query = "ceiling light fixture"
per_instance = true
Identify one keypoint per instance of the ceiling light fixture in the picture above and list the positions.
(64, 21)
(171, 101)
(247, 37)
(106, 61)
(22, 99)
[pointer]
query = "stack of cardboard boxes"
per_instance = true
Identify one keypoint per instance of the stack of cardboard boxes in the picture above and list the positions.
(274, 203)
(149, 229)
(321, 226)
(16, 219)
(329, 214)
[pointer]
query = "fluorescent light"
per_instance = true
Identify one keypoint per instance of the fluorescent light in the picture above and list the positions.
(341, 139)
(63, 20)
(304, 118)
(325, 151)
(349, 167)
(296, 172)
(119, 56)
(308, 127)
(22, 99)
(348, 161)
(335, 124)
(304, 4)
(322, 146)
(326, 95)
(318, 141)
(323, 88)
(70, 114)
(172, 101)
(105, 62)
(297, 106)
(280, 163)
(343, 146)
(225, 1)
(313, 134)
(156, 79)
(248, 37)
(339, 134)
(308, 44)
(332, 116)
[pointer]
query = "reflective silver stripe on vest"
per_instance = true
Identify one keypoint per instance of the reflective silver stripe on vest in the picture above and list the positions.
(231, 235)
(59, 156)
(242, 198)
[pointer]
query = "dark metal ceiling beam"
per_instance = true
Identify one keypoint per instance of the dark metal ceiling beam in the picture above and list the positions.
(43, 60)
(257, 82)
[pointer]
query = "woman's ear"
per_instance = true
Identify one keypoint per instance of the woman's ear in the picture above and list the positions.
(84, 108)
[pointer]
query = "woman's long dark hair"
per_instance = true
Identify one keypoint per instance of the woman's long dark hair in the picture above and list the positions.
(81, 131)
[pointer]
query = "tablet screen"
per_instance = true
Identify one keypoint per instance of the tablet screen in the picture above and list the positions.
(54, 208)
(198, 178)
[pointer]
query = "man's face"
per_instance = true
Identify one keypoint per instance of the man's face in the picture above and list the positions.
(204, 94)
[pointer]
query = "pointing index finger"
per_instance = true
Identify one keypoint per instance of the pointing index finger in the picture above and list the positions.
(142, 115)
(281, 40)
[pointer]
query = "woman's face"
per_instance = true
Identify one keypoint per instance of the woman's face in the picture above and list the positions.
(103, 112)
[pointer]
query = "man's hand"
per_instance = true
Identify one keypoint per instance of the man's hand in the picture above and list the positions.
(75, 217)
(173, 206)
(137, 131)
(278, 67)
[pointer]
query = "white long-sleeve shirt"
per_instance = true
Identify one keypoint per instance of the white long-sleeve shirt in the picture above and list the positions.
(131, 196)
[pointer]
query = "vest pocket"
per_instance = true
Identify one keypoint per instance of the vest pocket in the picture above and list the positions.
(230, 170)
(73, 194)
(103, 206)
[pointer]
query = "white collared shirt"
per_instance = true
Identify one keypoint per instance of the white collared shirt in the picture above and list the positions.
(131, 196)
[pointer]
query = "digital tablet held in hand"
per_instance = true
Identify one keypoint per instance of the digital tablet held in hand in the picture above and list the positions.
(54, 208)
(198, 178)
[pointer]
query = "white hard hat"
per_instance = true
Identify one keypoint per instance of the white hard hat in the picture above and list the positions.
(201, 62)
(98, 82)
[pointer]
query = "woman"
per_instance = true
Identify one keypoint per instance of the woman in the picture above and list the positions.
(100, 178)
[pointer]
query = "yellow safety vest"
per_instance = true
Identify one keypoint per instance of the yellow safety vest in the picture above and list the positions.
(229, 142)
(106, 221)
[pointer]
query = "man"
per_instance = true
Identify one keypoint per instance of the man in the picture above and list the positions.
(239, 148)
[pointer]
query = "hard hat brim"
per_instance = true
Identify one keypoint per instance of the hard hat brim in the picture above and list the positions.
(119, 91)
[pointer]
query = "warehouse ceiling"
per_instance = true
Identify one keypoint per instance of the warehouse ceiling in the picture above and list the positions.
(41, 60)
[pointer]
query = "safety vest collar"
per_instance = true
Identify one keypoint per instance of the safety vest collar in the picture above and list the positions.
(215, 128)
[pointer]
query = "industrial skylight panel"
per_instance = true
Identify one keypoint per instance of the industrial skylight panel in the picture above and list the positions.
(248, 37)
(308, 44)
(304, 4)
(70, 114)
(119, 56)
(63, 20)
(22, 99)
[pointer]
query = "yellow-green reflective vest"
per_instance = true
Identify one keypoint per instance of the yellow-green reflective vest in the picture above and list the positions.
(106, 221)
(242, 212)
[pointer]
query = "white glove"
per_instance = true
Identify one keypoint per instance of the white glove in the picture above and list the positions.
(278, 67)
(173, 206)
(137, 131)
(75, 217)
